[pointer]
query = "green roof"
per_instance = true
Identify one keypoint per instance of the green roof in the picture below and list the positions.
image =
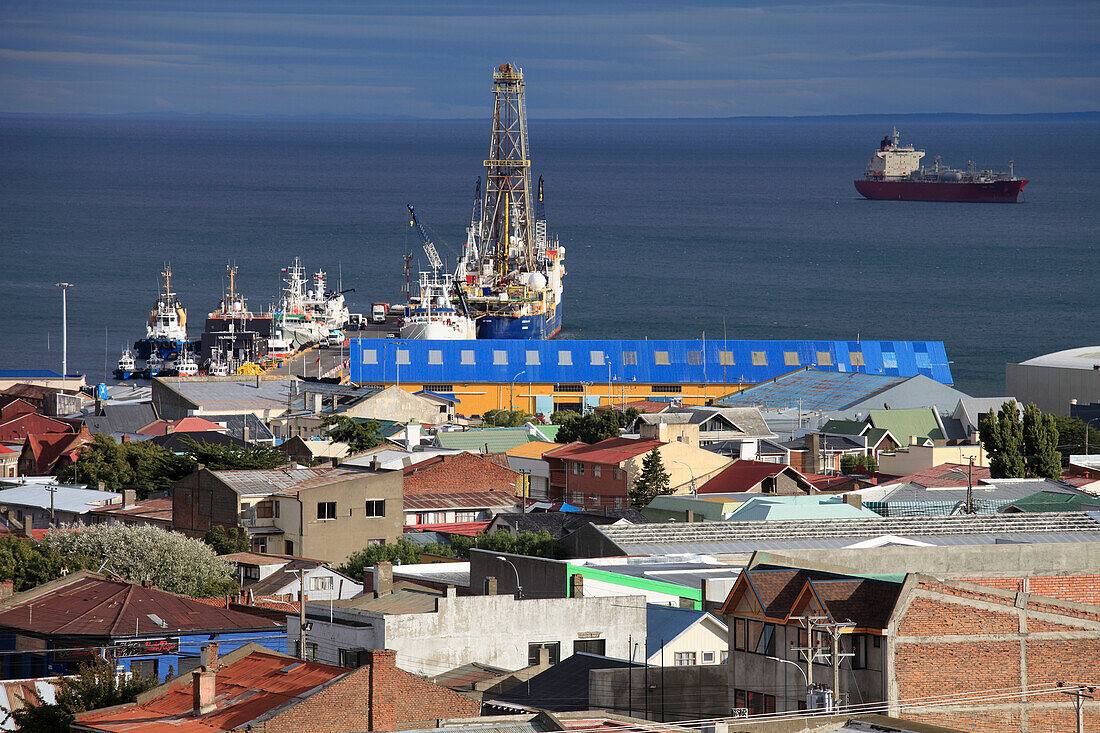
(920, 421)
(1055, 501)
(550, 432)
(386, 428)
(814, 506)
(672, 506)
(490, 440)
(843, 427)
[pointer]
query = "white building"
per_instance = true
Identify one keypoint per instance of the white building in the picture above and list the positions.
(678, 637)
(280, 576)
(434, 631)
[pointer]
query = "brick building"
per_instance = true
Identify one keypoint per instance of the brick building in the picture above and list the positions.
(261, 691)
(947, 643)
(465, 487)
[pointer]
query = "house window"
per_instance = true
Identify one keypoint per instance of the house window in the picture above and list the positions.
(465, 516)
(760, 638)
(708, 657)
(595, 358)
(403, 356)
(466, 358)
(824, 358)
(630, 358)
(259, 544)
(596, 471)
(289, 547)
(435, 356)
(725, 358)
(500, 358)
(326, 510)
(370, 356)
(533, 651)
(618, 502)
(590, 646)
(618, 474)
(759, 358)
(251, 572)
(532, 358)
(323, 582)
(660, 358)
(723, 656)
(352, 658)
(695, 358)
(265, 509)
(685, 659)
(790, 358)
(569, 388)
(667, 388)
(277, 508)
(859, 651)
(439, 388)
(311, 651)
(578, 469)
(376, 507)
(739, 634)
(578, 498)
(565, 358)
(144, 668)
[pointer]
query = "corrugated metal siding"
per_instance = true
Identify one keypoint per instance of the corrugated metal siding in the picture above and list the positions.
(646, 362)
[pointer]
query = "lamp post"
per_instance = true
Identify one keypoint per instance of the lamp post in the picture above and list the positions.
(519, 588)
(512, 388)
(64, 330)
(692, 475)
(610, 397)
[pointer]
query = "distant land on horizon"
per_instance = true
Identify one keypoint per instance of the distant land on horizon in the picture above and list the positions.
(1092, 116)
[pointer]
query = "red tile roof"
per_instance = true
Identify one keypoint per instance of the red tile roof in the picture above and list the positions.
(743, 475)
(612, 451)
(183, 425)
(459, 473)
(86, 604)
(469, 529)
(247, 689)
(945, 475)
(52, 451)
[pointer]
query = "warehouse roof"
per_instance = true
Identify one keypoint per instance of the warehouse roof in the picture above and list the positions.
(637, 361)
(487, 440)
(237, 394)
(1084, 357)
(63, 498)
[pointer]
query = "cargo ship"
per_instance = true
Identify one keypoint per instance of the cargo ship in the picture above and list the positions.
(895, 174)
(509, 277)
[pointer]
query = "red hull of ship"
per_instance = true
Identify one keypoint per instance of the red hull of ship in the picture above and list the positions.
(1001, 192)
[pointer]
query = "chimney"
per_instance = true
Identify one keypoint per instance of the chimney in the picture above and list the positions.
(451, 592)
(245, 433)
(129, 497)
(491, 585)
(98, 406)
(28, 524)
(317, 397)
(202, 681)
(854, 500)
(813, 445)
(689, 515)
(383, 579)
(7, 589)
(368, 580)
(169, 428)
(412, 434)
(335, 461)
(913, 439)
(578, 585)
(125, 438)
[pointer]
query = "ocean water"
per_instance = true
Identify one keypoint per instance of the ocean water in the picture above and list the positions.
(741, 229)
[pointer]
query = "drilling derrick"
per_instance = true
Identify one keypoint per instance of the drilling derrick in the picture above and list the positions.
(508, 243)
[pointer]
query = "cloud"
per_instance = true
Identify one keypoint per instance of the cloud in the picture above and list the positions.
(99, 59)
(672, 43)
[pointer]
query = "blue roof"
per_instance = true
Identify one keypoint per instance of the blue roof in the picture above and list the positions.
(442, 363)
(665, 623)
(32, 374)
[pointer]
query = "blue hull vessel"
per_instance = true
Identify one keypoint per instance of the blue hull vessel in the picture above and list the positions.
(521, 327)
(164, 348)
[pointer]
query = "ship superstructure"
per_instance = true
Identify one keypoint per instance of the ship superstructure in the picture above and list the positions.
(895, 173)
(440, 310)
(233, 333)
(510, 274)
(166, 332)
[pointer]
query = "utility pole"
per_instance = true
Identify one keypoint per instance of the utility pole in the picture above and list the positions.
(302, 614)
(630, 676)
(65, 331)
(810, 650)
(1079, 696)
(835, 630)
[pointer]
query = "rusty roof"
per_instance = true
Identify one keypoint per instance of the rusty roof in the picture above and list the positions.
(282, 480)
(86, 604)
(253, 687)
(405, 600)
(158, 509)
(463, 500)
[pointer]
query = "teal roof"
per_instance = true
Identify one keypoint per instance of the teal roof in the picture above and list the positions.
(920, 421)
(489, 440)
(814, 506)
(386, 428)
(673, 506)
(550, 432)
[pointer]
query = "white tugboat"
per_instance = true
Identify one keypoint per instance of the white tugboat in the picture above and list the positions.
(433, 314)
(186, 366)
(154, 366)
(166, 333)
(127, 365)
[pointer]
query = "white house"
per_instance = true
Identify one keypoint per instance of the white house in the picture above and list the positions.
(684, 637)
(279, 575)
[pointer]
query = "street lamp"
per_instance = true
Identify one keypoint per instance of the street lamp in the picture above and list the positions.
(519, 588)
(64, 330)
(692, 475)
(513, 387)
(969, 484)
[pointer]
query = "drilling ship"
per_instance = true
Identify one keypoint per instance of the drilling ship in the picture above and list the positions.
(509, 278)
(895, 174)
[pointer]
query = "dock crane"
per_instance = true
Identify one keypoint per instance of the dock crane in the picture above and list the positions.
(433, 258)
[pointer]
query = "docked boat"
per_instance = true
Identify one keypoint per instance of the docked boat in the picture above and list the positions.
(432, 313)
(186, 366)
(219, 364)
(895, 174)
(510, 273)
(166, 332)
(233, 328)
(306, 316)
(127, 365)
(154, 366)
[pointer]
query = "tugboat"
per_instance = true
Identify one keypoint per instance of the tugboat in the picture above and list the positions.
(154, 366)
(126, 365)
(166, 333)
(186, 366)
(895, 174)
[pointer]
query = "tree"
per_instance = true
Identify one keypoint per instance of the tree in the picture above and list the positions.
(27, 563)
(358, 435)
(652, 481)
(139, 465)
(592, 427)
(403, 551)
(1072, 437)
(532, 544)
(225, 458)
(172, 561)
(226, 540)
(1002, 436)
(1041, 444)
(96, 685)
(506, 418)
(850, 464)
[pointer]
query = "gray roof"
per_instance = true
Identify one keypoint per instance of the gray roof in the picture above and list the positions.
(235, 424)
(65, 498)
(281, 480)
(739, 537)
(220, 394)
(989, 489)
(124, 419)
(665, 623)
(1085, 357)
(686, 574)
(832, 442)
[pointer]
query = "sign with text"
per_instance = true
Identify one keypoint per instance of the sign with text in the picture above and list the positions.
(145, 647)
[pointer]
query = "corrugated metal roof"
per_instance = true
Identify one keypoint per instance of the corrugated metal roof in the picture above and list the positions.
(405, 600)
(639, 361)
(498, 440)
(462, 500)
(283, 481)
(65, 498)
(238, 395)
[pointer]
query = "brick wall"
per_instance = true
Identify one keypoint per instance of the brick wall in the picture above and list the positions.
(1083, 588)
(950, 640)
(376, 697)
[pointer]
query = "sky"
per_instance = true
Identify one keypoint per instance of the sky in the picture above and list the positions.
(582, 59)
